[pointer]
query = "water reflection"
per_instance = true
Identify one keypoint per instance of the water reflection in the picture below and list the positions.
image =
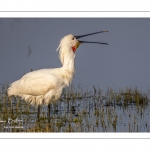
(126, 111)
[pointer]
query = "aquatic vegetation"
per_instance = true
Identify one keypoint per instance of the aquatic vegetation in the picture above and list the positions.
(79, 110)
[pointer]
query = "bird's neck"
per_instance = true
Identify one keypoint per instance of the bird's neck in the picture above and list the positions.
(67, 58)
(68, 71)
(68, 64)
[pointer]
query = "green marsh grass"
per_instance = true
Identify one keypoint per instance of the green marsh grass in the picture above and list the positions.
(79, 110)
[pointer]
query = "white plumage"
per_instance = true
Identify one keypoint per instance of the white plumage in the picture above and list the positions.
(45, 86)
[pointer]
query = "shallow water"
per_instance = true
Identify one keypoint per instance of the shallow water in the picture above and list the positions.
(126, 111)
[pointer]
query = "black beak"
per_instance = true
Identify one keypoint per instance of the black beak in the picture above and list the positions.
(93, 42)
(77, 37)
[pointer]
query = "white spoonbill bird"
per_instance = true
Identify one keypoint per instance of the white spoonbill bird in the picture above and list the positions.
(45, 86)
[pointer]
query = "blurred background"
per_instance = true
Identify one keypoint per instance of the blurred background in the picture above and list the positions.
(30, 43)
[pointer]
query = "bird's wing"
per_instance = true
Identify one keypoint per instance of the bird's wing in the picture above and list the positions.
(37, 82)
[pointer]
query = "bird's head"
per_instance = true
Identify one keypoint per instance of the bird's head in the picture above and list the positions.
(73, 42)
(70, 43)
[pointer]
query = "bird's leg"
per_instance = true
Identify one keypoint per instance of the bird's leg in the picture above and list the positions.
(38, 113)
(49, 110)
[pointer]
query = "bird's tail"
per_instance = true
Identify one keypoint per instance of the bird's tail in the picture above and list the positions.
(12, 90)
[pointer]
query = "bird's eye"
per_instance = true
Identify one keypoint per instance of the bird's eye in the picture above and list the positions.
(73, 38)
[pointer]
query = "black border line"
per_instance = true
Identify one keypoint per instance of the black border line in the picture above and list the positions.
(76, 11)
(76, 138)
